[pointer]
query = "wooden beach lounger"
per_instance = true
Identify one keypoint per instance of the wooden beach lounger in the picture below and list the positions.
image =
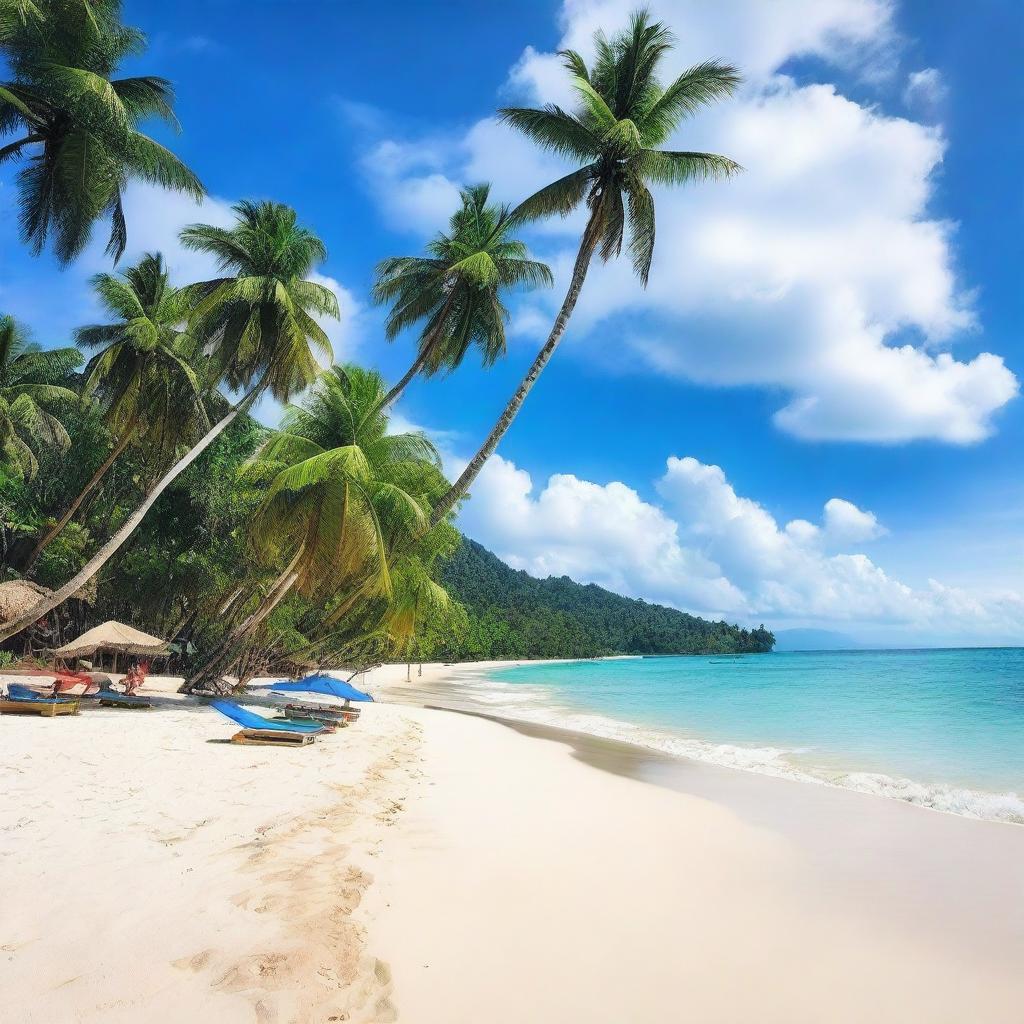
(126, 701)
(22, 700)
(257, 730)
(338, 717)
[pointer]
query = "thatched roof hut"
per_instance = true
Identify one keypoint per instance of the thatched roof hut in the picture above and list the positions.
(17, 597)
(113, 636)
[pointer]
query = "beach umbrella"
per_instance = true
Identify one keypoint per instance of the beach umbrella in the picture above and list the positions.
(322, 684)
(113, 636)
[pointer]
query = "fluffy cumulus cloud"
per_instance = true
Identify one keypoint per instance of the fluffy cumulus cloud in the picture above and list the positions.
(820, 271)
(704, 548)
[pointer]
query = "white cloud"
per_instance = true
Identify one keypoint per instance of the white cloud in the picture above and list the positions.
(925, 90)
(845, 523)
(596, 533)
(819, 272)
(412, 192)
(706, 549)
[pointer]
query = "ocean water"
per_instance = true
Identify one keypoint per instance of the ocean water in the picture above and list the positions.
(941, 728)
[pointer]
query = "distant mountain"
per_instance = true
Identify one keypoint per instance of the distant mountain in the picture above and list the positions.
(815, 640)
(510, 614)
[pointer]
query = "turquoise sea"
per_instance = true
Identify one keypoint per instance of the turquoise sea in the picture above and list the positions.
(942, 728)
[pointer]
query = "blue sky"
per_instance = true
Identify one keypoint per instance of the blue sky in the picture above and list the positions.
(810, 415)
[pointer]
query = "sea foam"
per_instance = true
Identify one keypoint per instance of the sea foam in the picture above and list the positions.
(530, 703)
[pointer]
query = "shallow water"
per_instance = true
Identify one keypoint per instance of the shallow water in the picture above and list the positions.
(944, 729)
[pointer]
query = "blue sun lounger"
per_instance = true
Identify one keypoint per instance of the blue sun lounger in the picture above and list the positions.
(259, 730)
(23, 700)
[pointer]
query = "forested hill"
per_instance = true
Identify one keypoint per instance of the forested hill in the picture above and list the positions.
(510, 614)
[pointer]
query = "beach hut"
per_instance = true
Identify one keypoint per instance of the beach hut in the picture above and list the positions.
(115, 637)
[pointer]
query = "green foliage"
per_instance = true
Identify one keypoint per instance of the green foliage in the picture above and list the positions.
(262, 320)
(33, 396)
(142, 374)
(76, 125)
(346, 492)
(513, 615)
(456, 289)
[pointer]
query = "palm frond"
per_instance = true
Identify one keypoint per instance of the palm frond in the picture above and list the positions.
(561, 197)
(700, 85)
(555, 130)
(678, 168)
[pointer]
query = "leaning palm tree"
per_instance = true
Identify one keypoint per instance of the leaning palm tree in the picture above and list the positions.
(344, 494)
(142, 376)
(456, 288)
(32, 382)
(259, 329)
(76, 125)
(624, 114)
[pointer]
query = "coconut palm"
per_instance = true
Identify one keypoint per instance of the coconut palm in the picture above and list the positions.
(344, 494)
(32, 382)
(624, 115)
(142, 376)
(76, 125)
(456, 288)
(261, 318)
(258, 328)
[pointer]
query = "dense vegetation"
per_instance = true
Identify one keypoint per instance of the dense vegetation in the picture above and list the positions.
(135, 485)
(506, 613)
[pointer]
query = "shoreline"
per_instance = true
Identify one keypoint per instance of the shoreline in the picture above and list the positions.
(669, 893)
(444, 868)
(450, 693)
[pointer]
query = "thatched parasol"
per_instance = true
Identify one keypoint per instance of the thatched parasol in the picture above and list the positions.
(17, 597)
(113, 636)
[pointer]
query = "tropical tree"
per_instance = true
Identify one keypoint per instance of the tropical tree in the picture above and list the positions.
(259, 328)
(32, 382)
(142, 376)
(344, 495)
(76, 125)
(624, 115)
(456, 288)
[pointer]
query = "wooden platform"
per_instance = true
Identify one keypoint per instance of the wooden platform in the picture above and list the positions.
(44, 708)
(272, 738)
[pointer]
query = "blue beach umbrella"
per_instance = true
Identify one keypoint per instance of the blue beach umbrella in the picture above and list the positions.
(323, 684)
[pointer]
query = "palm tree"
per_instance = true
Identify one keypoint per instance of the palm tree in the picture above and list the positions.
(142, 375)
(624, 115)
(455, 288)
(344, 494)
(259, 329)
(31, 380)
(76, 125)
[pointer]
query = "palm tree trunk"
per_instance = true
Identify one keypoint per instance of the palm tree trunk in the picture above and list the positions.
(100, 473)
(93, 566)
(226, 652)
(579, 272)
(428, 349)
(409, 374)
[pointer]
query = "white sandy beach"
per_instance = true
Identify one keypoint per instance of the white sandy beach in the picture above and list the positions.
(429, 866)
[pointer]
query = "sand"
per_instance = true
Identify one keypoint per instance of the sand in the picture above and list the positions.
(430, 866)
